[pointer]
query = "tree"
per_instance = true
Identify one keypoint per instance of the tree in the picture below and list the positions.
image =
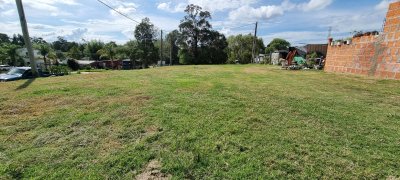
(108, 51)
(146, 34)
(213, 49)
(75, 53)
(172, 39)
(185, 57)
(61, 44)
(38, 40)
(194, 27)
(72, 64)
(240, 48)
(18, 40)
(4, 38)
(277, 44)
(8, 52)
(52, 55)
(44, 50)
(131, 50)
(91, 49)
(60, 55)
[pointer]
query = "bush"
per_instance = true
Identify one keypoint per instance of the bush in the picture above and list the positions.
(59, 70)
(73, 64)
(185, 57)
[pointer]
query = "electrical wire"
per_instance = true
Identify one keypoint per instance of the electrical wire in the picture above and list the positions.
(237, 27)
(122, 14)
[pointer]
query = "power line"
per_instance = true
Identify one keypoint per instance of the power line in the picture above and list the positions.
(236, 27)
(125, 14)
(122, 14)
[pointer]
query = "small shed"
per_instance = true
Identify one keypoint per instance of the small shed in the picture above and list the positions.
(277, 55)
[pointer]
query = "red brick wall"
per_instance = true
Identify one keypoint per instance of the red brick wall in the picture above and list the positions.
(377, 56)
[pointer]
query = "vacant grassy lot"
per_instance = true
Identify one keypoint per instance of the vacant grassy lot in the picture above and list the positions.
(236, 122)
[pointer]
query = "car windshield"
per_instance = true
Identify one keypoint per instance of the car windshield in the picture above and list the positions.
(15, 71)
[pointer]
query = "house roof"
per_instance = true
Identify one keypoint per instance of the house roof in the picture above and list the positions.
(84, 62)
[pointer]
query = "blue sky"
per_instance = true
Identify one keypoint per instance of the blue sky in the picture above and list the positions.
(299, 21)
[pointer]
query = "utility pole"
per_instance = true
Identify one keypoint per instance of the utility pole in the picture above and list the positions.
(27, 39)
(170, 49)
(254, 44)
(161, 47)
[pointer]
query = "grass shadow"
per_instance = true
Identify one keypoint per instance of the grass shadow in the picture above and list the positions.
(26, 84)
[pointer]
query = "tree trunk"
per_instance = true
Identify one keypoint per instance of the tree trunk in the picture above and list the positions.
(112, 64)
(45, 62)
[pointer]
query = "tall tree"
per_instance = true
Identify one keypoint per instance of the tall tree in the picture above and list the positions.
(172, 41)
(240, 48)
(213, 49)
(38, 40)
(44, 50)
(109, 51)
(8, 52)
(60, 44)
(75, 53)
(131, 51)
(146, 34)
(277, 44)
(194, 27)
(4, 38)
(92, 47)
(18, 40)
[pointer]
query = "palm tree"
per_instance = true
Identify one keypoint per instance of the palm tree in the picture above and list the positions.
(44, 50)
(109, 50)
(11, 52)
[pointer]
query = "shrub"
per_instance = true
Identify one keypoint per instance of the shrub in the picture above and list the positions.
(73, 64)
(59, 70)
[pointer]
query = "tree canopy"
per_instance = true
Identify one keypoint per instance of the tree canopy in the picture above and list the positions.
(198, 43)
(91, 49)
(240, 48)
(194, 28)
(146, 35)
(277, 44)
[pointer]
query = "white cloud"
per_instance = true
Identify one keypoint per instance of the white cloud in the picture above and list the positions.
(125, 8)
(167, 7)
(246, 13)
(315, 5)
(221, 5)
(76, 34)
(208, 5)
(249, 13)
(44, 6)
(384, 5)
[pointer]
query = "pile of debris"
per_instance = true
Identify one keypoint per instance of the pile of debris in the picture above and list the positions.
(297, 59)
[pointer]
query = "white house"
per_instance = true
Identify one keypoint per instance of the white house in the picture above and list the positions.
(23, 52)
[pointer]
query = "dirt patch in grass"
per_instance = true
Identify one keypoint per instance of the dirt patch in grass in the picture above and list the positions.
(108, 146)
(152, 172)
(34, 107)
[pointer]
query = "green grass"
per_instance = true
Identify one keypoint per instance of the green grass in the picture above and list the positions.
(213, 122)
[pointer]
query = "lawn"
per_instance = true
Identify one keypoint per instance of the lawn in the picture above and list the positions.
(201, 122)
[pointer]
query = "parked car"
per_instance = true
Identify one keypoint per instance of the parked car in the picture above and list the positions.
(17, 73)
(5, 67)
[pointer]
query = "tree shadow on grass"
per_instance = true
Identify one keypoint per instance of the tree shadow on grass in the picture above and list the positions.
(26, 84)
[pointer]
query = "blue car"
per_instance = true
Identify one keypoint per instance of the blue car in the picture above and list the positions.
(17, 73)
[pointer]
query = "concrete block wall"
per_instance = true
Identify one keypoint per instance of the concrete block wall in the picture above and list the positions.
(373, 55)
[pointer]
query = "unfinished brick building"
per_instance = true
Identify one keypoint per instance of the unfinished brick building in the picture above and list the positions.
(372, 55)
